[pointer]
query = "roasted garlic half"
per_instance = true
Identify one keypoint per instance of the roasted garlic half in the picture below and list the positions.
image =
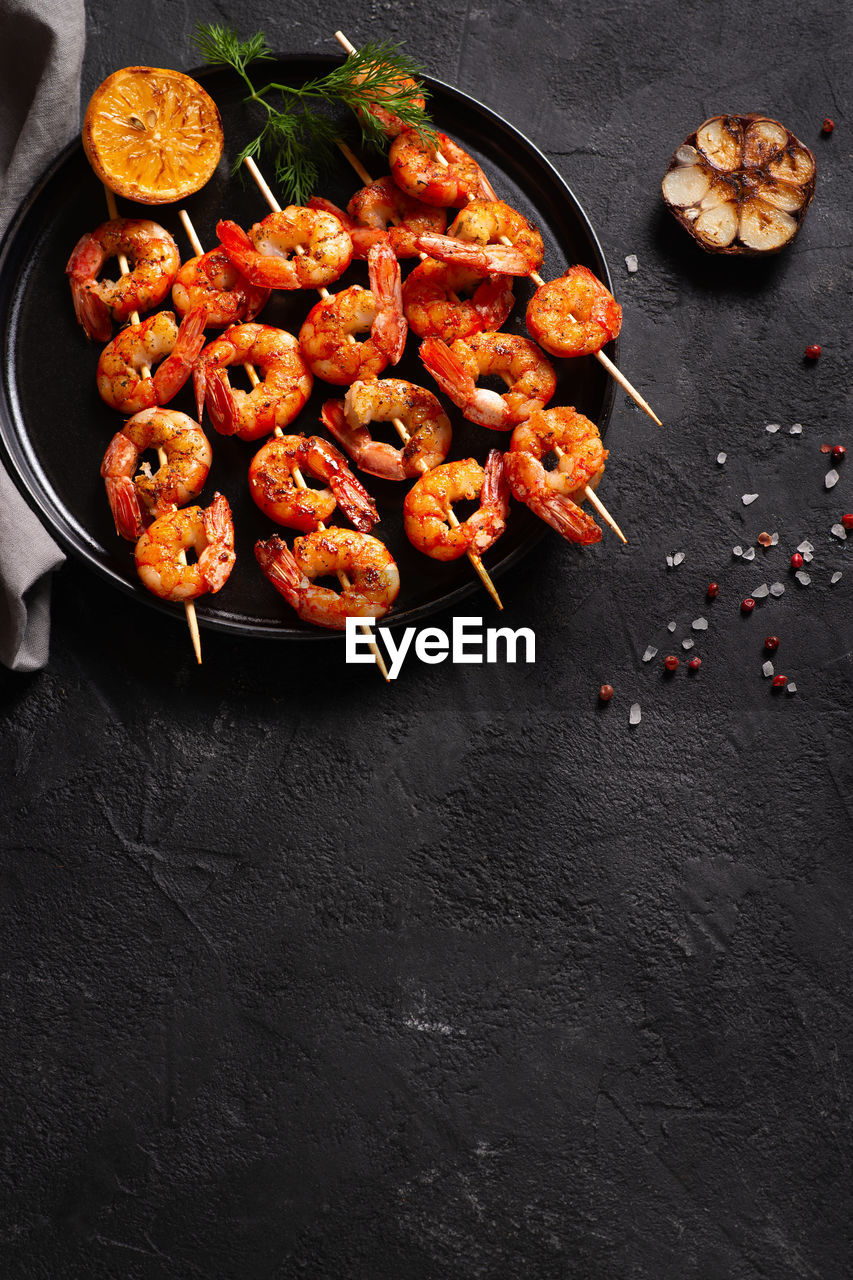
(740, 184)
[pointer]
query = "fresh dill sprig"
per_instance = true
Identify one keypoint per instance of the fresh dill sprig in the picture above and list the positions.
(296, 136)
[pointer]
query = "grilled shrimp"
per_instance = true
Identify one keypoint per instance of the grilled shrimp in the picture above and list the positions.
(380, 400)
(574, 315)
(154, 340)
(426, 507)
(264, 255)
(434, 309)
(281, 395)
(474, 240)
(373, 574)
(133, 500)
(273, 488)
(528, 372)
(153, 260)
(554, 495)
(390, 123)
(210, 533)
(212, 282)
(379, 309)
(416, 171)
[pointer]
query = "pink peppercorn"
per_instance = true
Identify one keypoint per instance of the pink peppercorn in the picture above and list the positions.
(671, 663)
(796, 560)
(838, 453)
(605, 693)
(747, 605)
(813, 352)
(779, 682)
(828, 125)
(847, 520)
(694, 664)
(712, 591)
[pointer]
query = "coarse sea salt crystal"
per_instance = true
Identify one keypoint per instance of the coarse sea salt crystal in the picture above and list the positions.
(808, 557)
(760, 592)
(670, 626)
(790, 687)
(669, 562)
(631, 262)
(805, 545)
(748, 498)
(721, 457)
(836, 577)
(768, 668)
(650, 653)
(772, 427)
(737, 551)
(749, 554)
(838, 531)
(796, 429)
(699, 624)
(831, 479)
(777, 589)
(678, 557)
(688, 643)
(774, 538)
(802, 578)
(635, 715)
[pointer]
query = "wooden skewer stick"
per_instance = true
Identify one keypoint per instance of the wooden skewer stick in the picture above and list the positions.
(603, 360)
(298, 477)
(589, 492)
(475, 560)
(189, 605)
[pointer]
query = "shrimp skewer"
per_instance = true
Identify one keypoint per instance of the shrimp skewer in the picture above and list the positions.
(399, 425)
(298, 478)
(604, 360)
(189, 605)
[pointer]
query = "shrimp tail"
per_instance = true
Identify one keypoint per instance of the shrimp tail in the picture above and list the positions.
(373, 456)
(350, 495)
(486, 191)
(217, 560)
(174, 371)
(447, 369)
(389, 329)
(447, 249)
(91, 311)
(279, 566)
(200, 387)
(124, 504)
(221, 403)
(496, 490)
(334, 420)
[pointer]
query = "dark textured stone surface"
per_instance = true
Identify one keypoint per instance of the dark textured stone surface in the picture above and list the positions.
(302, 975)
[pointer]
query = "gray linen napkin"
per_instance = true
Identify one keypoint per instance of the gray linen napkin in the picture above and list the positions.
(41, 53)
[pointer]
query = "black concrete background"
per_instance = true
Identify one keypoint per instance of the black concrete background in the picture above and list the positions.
(464, 977)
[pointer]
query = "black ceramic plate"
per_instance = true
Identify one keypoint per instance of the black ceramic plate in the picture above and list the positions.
(54, 426)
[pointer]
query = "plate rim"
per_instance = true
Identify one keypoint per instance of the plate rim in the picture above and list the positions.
(25, 478)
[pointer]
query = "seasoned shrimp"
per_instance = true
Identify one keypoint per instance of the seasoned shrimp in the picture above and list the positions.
(473, 240)
(212, 282)
(281, 395)
(554, 495)
(528, 372)
(382, 206)
(209, 532)
(380, 401)
(158, 338)
(390, 123)
(416, 171)
(273, 488)
(574, 315)
(373, 574)
(153, 260)
(379, 309)
(264, 255)
(179, 479)
(434, 308)
(426, 507)
(363, 238)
